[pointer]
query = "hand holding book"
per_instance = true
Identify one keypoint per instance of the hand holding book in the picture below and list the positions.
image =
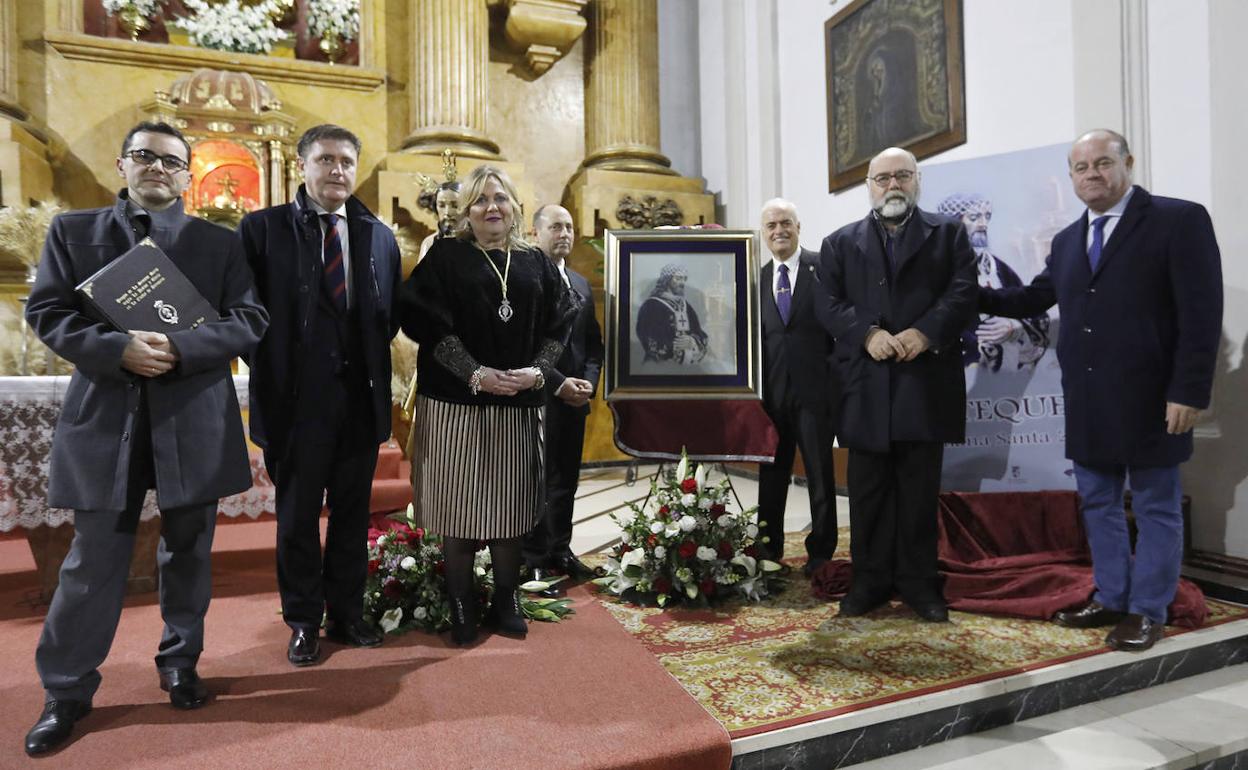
(149, 354)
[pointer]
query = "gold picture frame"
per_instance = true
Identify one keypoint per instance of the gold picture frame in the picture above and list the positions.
(682, 315)
(895, 78)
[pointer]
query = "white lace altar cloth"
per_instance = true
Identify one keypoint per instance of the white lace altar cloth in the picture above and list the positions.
(29, 407)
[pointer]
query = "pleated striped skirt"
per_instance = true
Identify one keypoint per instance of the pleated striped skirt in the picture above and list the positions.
(477, 471)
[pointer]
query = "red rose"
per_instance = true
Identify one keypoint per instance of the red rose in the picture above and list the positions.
(401, 531)
(625, 548)
(662, 585)
(440, 567)
(688, 549)
(420, 533)
(689, 485)
(718, 509)
(393, 588)
(652, 541)
(373, 566)
(707, 586)
(725, 549)
(751, 551)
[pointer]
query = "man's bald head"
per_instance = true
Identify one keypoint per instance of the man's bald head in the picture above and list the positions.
(893, 184)
(552, 228)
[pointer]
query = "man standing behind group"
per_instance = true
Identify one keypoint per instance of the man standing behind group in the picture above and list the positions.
(902, 283)
(143, 410)
(800, 390)
(569, 388)
(327, 270)
(1138, 282)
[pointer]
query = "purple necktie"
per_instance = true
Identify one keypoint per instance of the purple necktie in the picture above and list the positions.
(784, 294)
(1098, 241)
(335, 271)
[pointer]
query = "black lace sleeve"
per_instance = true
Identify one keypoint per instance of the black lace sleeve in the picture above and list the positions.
(548, 355)
(451, 353)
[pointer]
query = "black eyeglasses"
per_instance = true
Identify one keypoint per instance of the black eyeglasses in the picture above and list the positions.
(901, 176)
(171, 163)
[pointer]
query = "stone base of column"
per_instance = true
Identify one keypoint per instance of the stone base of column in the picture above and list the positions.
(465, 143)
(25, 174)
(630, 157)
(601, 199)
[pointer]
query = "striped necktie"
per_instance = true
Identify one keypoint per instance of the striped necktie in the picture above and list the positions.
(335, 270)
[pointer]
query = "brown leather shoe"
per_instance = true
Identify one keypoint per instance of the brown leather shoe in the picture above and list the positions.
(1135, 633)
(1090, 615)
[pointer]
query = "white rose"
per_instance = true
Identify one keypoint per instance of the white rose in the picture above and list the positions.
(381, 541)
(706, 554)
(659, 552)
(688, 524)
(688, 499)
(656, 527)
(420, 613)
(705, 503)
(672, 530)
(751, 530)
(724, 521)
(407, 563)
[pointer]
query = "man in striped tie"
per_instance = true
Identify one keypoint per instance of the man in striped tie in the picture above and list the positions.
(1138, 282)
(320, 384)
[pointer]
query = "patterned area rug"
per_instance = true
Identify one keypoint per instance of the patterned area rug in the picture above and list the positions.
(760, 667)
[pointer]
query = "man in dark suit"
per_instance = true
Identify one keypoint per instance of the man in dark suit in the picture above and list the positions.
(327, 270)
(902, 286)
(799, 386)
(569, 388)
(143, 410)
(1138, 284)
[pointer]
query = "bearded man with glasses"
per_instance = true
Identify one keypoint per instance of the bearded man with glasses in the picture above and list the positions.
(901, 286)
(144, 410)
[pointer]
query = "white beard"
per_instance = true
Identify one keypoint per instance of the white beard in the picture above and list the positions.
(894, 208)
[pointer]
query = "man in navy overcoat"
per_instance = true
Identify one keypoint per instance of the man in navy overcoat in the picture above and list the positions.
(1138, 282)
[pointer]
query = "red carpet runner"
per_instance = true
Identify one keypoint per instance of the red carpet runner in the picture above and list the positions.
(580, 694)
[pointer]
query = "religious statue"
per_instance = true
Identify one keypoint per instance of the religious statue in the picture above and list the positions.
(442, 199)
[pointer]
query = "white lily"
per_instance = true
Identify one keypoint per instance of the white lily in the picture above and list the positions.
(699, 476)
(634, 557)
(390, 621)
(682, 468)
(748, 562)
(770, 566)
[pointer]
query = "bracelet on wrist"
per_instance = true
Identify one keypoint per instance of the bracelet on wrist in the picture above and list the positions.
(474, 381)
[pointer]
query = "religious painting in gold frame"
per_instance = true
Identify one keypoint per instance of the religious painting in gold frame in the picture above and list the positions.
(682, 315)
(895, 78)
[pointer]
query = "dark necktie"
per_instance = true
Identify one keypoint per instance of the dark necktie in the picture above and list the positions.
(1098, 241)
(335, 270)
(784, 294)
(891, 250)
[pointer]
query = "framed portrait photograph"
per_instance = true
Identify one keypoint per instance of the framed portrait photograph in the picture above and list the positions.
(895, 78)
(682, 315)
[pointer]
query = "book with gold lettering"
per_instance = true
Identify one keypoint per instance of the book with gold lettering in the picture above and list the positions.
(142, 290)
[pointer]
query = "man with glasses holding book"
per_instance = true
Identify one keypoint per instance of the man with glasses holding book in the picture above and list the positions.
(902, 287)
(144, 410)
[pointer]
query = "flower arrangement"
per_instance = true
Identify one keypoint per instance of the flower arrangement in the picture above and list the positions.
(144, 8)
(232, 25)
(334, 18)
(406, 589)
(687, 545)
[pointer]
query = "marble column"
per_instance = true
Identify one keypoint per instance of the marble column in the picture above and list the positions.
(449, 78)
(622, 87)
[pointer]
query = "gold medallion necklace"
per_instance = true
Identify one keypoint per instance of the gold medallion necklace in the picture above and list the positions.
(504, 308)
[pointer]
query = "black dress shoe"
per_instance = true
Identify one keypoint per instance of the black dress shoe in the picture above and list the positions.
(54, 725)
(574, 568)
(304, 648)
(1135, 633)
(813, 564)
(505, 613)
(186, 690)
(932, 611)
(543, 574)
(858, 603)
(1090, 615)
(463, 619)
(357, 633)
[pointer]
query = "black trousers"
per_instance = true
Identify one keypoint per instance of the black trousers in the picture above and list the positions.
(331, 458)
(892, 519)
(565, 440)
(811, 431)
